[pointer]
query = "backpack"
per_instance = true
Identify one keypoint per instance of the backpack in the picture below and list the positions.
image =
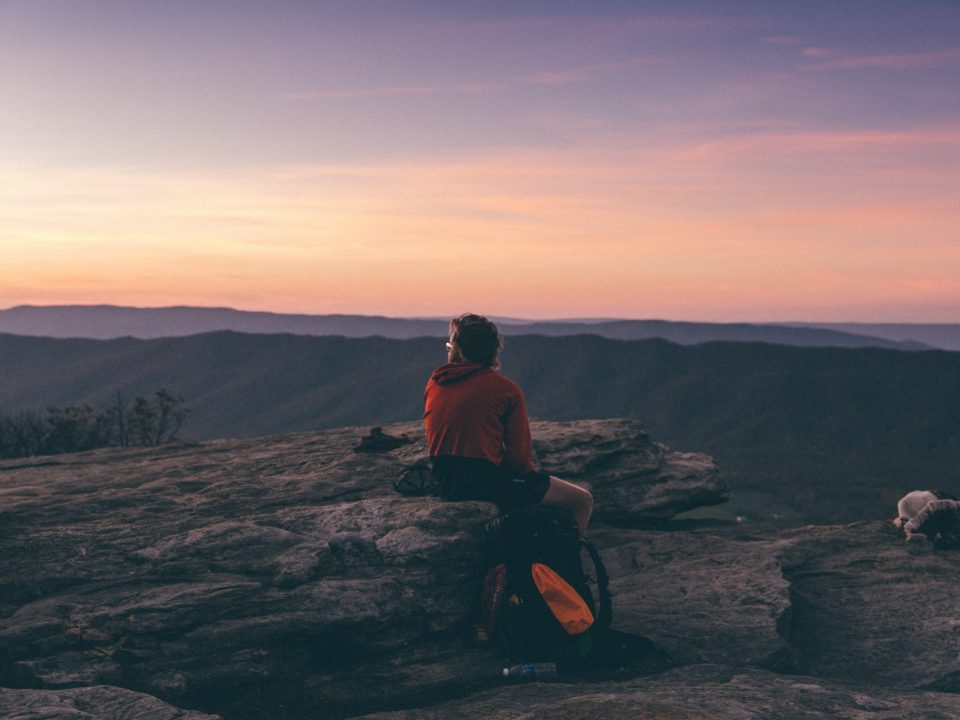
(416, 479)
(536, 597)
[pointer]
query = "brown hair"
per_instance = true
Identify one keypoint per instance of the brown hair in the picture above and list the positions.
(477, 339)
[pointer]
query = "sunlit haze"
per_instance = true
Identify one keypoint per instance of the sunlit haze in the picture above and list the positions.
(720, 161)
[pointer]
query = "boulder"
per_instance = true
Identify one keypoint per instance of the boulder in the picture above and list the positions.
(869, 606)
(631, 477)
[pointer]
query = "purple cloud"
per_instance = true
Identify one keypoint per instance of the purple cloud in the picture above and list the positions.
(892, 61)
(585, 72)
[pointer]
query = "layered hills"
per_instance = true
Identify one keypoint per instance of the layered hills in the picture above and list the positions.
(945, 336)
(807, 434)
(108, 321)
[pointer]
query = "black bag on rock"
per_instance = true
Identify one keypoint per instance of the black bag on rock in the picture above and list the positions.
(537, 599)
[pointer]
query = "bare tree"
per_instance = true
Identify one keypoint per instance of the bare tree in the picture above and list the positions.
(119, 416)
(158, 422)
(170, 416)
(148, 422)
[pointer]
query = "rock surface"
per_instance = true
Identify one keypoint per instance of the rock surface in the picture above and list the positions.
(283, 577)
(702, 597)
(89, 703)
(868, 606)
(632, 478)
(696, 692)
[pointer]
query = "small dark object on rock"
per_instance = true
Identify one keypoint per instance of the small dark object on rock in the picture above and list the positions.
(378, 441)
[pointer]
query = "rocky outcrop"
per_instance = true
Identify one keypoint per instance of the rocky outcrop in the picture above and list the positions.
(283, 577)
(89, 703)
(632, 478)
(867, 606)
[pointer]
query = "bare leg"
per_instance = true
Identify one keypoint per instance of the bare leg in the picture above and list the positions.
(573, 498)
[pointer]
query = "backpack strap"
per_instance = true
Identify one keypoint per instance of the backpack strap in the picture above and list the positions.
(605, 610)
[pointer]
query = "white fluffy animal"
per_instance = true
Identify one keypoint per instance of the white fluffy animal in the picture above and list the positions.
(911, 504)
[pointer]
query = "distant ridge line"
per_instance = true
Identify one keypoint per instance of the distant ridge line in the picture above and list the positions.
(104, 322)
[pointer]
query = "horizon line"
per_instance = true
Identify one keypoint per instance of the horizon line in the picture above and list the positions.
(507, 319)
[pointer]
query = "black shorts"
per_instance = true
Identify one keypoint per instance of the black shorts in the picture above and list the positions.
(463, 478)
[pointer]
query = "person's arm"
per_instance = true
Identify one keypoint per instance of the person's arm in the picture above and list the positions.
(518, 446)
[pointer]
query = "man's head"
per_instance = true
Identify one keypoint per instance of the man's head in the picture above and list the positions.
(474, 339)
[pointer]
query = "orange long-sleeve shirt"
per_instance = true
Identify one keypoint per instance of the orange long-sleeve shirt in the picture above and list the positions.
(473, 411)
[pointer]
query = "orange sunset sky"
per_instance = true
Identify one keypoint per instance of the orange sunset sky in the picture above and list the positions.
(723, 161)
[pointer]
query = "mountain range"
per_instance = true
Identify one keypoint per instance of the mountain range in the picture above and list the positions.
(803, 434)
(108, 322)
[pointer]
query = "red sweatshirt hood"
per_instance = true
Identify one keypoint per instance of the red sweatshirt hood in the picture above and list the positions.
(456, 372)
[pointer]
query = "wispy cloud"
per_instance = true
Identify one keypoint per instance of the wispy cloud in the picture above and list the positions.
(818, 52)
(610, 25)
(807, 144)
(552, 78)
(470, 88)
(830, 60)
(782, 40)
(584, 73)
(664, 229)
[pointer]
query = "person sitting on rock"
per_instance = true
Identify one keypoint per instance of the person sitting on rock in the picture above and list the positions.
(478, 432)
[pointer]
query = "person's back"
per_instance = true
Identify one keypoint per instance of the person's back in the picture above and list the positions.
(473, 411)
(478, 431)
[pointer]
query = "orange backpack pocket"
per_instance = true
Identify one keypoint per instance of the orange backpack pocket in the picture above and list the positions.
(565, 603)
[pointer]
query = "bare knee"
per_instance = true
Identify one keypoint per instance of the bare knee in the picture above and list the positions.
(573, 498)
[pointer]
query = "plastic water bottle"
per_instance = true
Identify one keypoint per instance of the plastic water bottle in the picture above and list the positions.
(531, 671)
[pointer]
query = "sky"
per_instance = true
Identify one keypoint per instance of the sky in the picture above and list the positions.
(717, 161)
